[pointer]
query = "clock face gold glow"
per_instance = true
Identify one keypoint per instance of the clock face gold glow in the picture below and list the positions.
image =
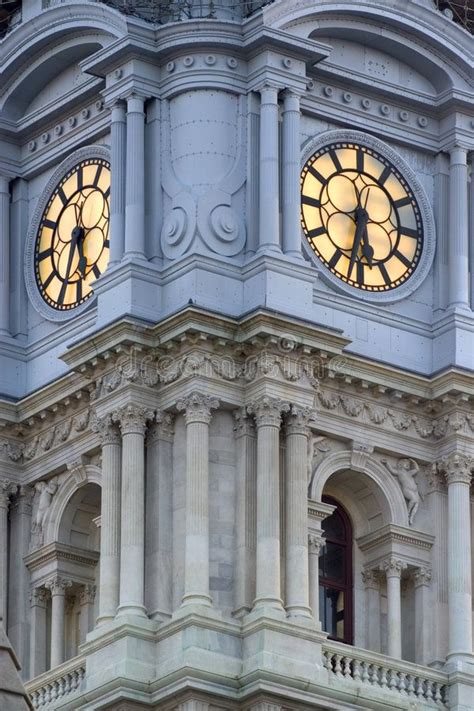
(72, 244)
(360, 217)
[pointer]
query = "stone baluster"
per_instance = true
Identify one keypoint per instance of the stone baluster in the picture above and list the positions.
(132, 421)
(296, 503)
(197, 409)
(315, 543)
(458, 471)
(268, 413)
(57, 587)
(423, 619)
(5, 251)
(109, 582)
(291, 224)
(246, 513)
(458, 242)
(393, 568)
(7, 489)
(38, 601)
(269, 219)
(86, 600)
(371, 579)
(135, 179)
(159, 517)
(117, 182)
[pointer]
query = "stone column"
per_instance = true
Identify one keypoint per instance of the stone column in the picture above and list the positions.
(135, 182)
(269, 219)
(458, 241)
(117, 182)
(197, 409)
(159, 517)
(393, 571)
(371, 579)
(245, 513)
(109, 582)
(5, 252)
(296, 507)
(86, 600)
(7, 489)
(57, 586)
(423, 618)
(38, 599)
(458, 471)
(193, 705)
(132, 420)
(267, 413)
(291, 223)
(315, 543)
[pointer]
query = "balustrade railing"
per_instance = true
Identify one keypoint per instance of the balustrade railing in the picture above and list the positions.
(421, 684)
(57, 683)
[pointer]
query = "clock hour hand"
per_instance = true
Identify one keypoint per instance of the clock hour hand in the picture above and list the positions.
(82, 257)
(361, 217)
(367, 249)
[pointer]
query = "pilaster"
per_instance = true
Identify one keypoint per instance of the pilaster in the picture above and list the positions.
(7, 489)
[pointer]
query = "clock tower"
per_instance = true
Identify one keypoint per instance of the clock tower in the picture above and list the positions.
(237, 353)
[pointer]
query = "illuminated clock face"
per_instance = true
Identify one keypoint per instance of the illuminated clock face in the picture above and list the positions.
(360, 217)
(72, 243)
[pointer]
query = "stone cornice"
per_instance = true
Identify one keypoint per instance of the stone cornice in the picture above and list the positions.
(57, 552)
(318, 511)
(392, 533)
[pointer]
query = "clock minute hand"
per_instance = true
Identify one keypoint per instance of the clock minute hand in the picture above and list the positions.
(361, 225)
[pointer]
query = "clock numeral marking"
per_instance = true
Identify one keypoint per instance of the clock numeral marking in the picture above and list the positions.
(80, 179)
(308, 200)
(335, 258)
(335, 160)
(403, 201)
(360, 272)
(62, 196)
(96, 271)
(408, 232)
(107, 243)
(385, 274)
(97, 176)
(385, 175)
(317, 175)
(360, 161)
(404, 260)
(45, 254)
(62, 293)
(48, 281)
(79, 290)
(107, 193)
(49, 224)
(317, 232)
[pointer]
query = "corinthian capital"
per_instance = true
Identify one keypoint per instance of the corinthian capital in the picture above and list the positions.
(7, 489)
(198, 407)
(298, 420)
(422, 576)
(393, 567)
(457, 468)
(268, 411)
(132, 419)
(107, 430)
(162, 428)
(315, 543)
(57, 585)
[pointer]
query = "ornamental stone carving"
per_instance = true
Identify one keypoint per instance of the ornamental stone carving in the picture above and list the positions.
(132, 419)
(393, 567)
(198, 407)
(268, 411)
(405, 472)
(38, 596)
(162, 428)
(107, 429)
(58, 585)
(360, 454)
(422, 576)
(315, 543)
(371, 578)
(298, 419)
(457, 468)
(44, 492)
(87, 595)
(243, 424)
(7, 489)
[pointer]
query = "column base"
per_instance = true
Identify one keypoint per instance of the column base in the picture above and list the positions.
(104, 620)
(299, 611)
(460, 662)
(196, 599)
(268, 606)
(131, 610)
(268, 249)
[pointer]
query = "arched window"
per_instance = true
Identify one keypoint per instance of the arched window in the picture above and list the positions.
(335, 575)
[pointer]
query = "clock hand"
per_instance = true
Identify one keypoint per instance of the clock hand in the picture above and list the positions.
(361, 218)
(82, 257)
(367, 249)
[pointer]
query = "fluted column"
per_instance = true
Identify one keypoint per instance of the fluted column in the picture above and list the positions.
(38, 601)
(86, 600)
(267, 413)
(393, 568)
(296, 505)
(117, 182)
(245, 512)
(269, 232)
(315, 543)
(197, 409)
(423, 617)
(371, 579)
(291, 224)
(458, 471)
(159, 517)
(7, 489)
(458, 242)
(135, 181)
(5, 252)
(109, 582)
(132, 420)
(57, 586)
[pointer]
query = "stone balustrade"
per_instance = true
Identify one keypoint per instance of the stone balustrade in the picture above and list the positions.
(427, 687)
(45, 690)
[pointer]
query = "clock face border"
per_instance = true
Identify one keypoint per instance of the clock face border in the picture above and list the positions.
(34, 293)
(425, 259)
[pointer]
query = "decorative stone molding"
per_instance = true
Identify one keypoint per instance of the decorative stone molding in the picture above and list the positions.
(107, 429)
(360, 453)
(7, 489)
(23, 502)
(371, 578)
(405, 472)
(162, 428)
(58, 553)
(132, 419)
(315, 543)
(298, 419)
(393, 567)
(318, 511)
(77, 470)
(268, 411)
(198, 407)
(457, 468)
(39, 597)
(422, 576)
(58, 585)
(87, 595)
(243, 423)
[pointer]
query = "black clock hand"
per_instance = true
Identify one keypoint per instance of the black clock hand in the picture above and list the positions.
(361, 217)
(82, 258)
(367, 249)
